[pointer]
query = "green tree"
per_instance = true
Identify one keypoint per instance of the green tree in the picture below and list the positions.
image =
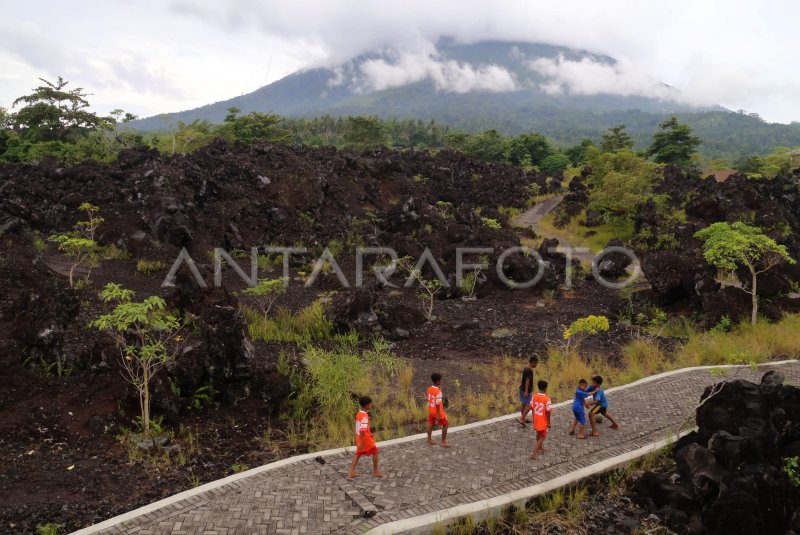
(254, 126)
(615, 139)
(729, 246)
(363, 132)
(780, 162)
(674, 143)
(577, 153)
(4, 134)
(80, 244)
(752, 165)
(554, 164)
(54, 113)
(456, 140)
(147, 337)
(489, 146)
(531, 147)
(621, 180)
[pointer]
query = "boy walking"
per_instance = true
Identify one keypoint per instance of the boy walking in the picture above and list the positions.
(436, 414)
(581, 393)
(526, 389)
(541, 417)
(365, 443)
(599, 405)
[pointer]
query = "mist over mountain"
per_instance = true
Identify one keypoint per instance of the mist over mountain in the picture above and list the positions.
(514, 87)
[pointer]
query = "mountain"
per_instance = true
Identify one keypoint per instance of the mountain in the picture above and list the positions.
(511, 86)
(439, 85)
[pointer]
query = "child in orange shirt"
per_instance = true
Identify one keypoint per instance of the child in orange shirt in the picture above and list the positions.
(541, 417)
(436, 412)
(365, 443)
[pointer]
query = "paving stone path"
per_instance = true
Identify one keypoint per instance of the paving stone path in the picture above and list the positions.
(533, 218)
(485, 461)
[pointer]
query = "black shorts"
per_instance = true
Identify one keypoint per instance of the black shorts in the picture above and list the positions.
(597, 409)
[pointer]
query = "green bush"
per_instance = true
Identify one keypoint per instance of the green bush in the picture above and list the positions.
(791, 466)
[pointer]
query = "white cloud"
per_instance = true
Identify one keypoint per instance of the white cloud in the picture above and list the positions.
(446, 74)
(590, 77)
(153, 56)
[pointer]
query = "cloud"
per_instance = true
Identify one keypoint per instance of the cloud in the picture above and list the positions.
(591, 77)
(689, 45)
(446, 74)
(183, 53)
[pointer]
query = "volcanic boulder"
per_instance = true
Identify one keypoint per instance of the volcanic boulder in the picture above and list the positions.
(730, 477)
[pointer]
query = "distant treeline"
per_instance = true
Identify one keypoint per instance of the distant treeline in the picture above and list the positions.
(56, 121)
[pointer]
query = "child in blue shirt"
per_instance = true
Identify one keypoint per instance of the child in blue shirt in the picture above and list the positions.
(581, 393)
(599, 406)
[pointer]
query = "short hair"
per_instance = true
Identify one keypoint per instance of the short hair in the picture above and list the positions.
(436, 377)
(533, 360)
(597, 379)
(364, 401)
(542, 384)
(582, 382)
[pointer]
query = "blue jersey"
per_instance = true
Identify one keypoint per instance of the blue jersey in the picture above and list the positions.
(580, 397)
(600, 397)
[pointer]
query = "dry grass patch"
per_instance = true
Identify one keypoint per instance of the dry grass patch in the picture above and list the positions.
(595, 238)
(745, 343)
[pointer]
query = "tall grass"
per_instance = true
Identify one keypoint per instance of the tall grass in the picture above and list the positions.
(563, 367)
(305, 327)
(326, 394)
(749, 343)
(322, 409)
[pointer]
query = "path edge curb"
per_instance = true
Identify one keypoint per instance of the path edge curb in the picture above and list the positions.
(485, 509)
(211, 485)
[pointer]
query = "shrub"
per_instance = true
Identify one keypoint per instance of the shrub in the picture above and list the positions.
(428, 287)
(791, 466)
(491, 223)
(583, 327)
(266, 292)
(149, 266)
(50, 528)
(80, 245)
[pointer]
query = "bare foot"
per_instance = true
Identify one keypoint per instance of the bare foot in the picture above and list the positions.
(594, 435)
(533, 456)
(614, 426)
(378, 473)
(430, 442)
(542, 450)
(445, 445)
(351, 474)
(582, 437)
(523, 423)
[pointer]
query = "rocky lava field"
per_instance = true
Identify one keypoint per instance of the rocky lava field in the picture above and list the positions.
(59, 458)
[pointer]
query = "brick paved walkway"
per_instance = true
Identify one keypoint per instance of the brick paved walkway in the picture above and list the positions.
(486, 461)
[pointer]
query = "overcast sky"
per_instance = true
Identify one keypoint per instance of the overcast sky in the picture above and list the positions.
(156, 56)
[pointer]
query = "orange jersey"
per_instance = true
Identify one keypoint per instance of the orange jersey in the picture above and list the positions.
(364, 439)
(540, 404)
(435, 406)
